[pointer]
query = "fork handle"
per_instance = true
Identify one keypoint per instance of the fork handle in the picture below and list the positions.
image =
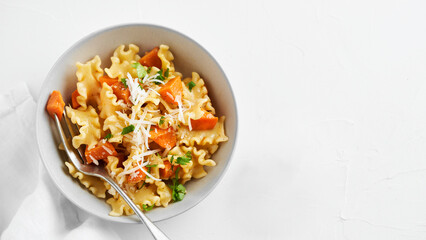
(155, 231)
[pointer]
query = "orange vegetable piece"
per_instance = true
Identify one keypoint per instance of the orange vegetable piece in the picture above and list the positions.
(171, 90)
(100, 152)
(166, 138)
(138, 176)
(167, 172)
(121, 91)
(206, 122)
(108, 80)
(55, 105)
(118, 88)
(151, 59)
(74, 102)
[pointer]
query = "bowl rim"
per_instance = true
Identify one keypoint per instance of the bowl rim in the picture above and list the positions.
(40, 105)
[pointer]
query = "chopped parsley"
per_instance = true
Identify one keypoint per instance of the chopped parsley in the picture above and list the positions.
(153, 165)
(149, 168)
(149, 70)
(184, 159)
(139, 69)
(147, 208)
(171, 161)
(178, 189)
(128, 129)
(191, 84)
(108, 136)
(162, 76)
(159, 76)
(142, 185)
(181, 160)
(123, 80)
(162, 120)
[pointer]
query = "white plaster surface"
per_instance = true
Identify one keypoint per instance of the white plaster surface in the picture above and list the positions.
(332, 107)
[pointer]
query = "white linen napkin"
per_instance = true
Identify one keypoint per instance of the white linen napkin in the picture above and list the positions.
(31, 206)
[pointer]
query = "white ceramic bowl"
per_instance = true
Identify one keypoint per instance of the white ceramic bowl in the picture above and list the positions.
(189, 56)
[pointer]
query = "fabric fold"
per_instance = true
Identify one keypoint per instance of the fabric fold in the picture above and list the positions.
(20, 159)
(33, 208)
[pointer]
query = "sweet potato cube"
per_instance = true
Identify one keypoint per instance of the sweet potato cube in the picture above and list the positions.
(171, 90)
(100, 152)
(121, 91)
(74, 102)
(206, 122)
(108, 80)
(166, 138)
(55, 105)
(137, 176)
(167, 172)
(151, 59)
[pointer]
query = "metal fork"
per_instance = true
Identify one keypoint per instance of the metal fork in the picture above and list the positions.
(77, 159)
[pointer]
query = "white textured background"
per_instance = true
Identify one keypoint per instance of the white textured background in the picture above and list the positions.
(332, 106)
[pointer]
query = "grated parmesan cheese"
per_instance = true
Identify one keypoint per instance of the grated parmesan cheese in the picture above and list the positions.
(139, 138)
(137, 94)
(170, 96)
(147, 173)
(189, 123)
(154, 91)
(179, 101)
(107, 150)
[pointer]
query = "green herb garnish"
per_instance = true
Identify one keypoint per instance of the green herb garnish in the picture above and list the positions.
(160, 77)
(140, 84)
(162, 120)
(191, 84)
(171, 161)
(139, 69)
(184, 159)
(147, 207)
(108, 136)
(149, 70)
(178, 189)
(142, 185)
(123, 80)
(149, 168)
(181, 160)
(128, 129)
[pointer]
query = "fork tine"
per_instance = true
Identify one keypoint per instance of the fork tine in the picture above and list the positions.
(67, 145)
(72, 130)
(69, 125)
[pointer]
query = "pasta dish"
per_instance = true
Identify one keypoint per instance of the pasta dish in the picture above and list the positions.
(151, 128)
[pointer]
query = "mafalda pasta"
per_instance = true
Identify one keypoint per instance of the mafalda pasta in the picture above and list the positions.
(152, 129)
